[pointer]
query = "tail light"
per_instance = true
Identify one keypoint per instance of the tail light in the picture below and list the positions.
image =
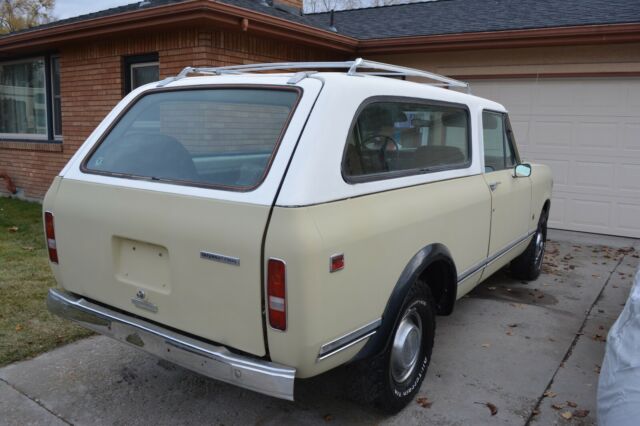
(51, 237)
(276, 294)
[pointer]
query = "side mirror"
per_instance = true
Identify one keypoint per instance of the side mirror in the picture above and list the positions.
(522, 170)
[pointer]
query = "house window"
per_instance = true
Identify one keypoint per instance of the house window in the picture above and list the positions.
(140, 70)
(30, 99)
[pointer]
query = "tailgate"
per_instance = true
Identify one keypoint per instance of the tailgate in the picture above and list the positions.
(115, 242)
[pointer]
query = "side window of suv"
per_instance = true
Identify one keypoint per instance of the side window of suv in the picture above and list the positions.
(398, 138)
(499, 152)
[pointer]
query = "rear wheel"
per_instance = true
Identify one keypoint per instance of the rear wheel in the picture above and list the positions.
(528, 265)
(391, 379)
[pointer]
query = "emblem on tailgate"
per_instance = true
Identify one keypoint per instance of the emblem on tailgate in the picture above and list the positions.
(220, 258)
(141, 302)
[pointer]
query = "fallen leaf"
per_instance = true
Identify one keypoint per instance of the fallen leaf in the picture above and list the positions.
(599, 338)
(597, 369)
(535, 412)
(485, 345)
(12, 229)
(512, 325)
(19, 327)
(558, 406)
(494, 409)
(509, 333)
(424, 402)
(580, 413)
(567, 415)
(551, 339)
(549, 394)
(572, 404)
(328, 418)
(490, 406)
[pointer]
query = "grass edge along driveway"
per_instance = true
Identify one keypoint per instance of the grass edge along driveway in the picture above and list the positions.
(26, 327)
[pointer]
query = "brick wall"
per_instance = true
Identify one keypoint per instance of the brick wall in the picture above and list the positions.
(91, 85)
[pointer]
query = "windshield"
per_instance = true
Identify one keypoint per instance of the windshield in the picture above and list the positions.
(222, 137)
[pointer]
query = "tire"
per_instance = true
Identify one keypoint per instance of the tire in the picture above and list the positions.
(390, 380)
(528, 265)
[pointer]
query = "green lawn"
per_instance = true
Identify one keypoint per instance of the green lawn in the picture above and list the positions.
(26, 327)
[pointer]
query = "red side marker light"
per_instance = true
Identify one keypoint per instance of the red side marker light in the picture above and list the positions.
(336, 262)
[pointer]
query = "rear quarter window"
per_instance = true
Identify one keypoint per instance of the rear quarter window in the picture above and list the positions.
(213, 137)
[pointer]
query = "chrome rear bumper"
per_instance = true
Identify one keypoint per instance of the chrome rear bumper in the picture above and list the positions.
(212, 361)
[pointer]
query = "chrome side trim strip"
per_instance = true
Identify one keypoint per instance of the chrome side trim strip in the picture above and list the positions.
(475, 268)
(348, 340)
(205, 358)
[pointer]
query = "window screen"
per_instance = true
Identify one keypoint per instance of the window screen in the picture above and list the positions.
(210, 137)
(404, 137)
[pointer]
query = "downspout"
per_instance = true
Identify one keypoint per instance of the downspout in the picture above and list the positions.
(8, 182)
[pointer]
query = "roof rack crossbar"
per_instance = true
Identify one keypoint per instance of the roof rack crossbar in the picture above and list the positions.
(371, 67)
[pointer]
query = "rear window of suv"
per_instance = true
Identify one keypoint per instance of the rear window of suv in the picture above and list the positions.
(216, 137)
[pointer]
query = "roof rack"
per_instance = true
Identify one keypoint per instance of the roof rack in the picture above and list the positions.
(371, 67)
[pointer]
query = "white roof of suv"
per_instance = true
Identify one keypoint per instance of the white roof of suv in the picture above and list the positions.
(317, 132)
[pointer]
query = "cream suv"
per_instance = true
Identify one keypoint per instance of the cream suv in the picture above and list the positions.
(259, 227)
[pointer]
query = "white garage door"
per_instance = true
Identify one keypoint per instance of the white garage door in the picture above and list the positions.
(588, 131)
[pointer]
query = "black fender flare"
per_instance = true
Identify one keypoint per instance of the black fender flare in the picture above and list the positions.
(416, 266)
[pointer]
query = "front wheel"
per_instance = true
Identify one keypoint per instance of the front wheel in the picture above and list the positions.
(528, 265)
(391, 379)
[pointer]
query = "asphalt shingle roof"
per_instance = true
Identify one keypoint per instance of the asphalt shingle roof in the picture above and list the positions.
(467, 16)
(432, 17)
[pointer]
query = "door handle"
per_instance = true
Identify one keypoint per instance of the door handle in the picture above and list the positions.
(494, 185)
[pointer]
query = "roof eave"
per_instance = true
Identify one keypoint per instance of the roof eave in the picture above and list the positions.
(206, 12)
(538, 37)
(222, 15)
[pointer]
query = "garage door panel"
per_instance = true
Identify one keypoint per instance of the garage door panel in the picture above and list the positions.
(596, 135)
(631, 136)
(554, 133)
(590, 213)
(627, 217)
(593, 176)
(588, 132)
(629, 178)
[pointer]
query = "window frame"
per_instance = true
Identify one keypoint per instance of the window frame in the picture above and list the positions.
(353, 180)
(49, 136)
(300, 92)
(52, 96)
(506, 130)
(130, 62)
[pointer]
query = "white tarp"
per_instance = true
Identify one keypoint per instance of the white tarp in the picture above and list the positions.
(619, 385)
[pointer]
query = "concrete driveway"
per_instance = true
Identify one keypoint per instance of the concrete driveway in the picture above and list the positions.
(526, 348)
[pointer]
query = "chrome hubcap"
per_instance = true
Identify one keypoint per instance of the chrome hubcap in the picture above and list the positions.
(539, 247)
(406, 346)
